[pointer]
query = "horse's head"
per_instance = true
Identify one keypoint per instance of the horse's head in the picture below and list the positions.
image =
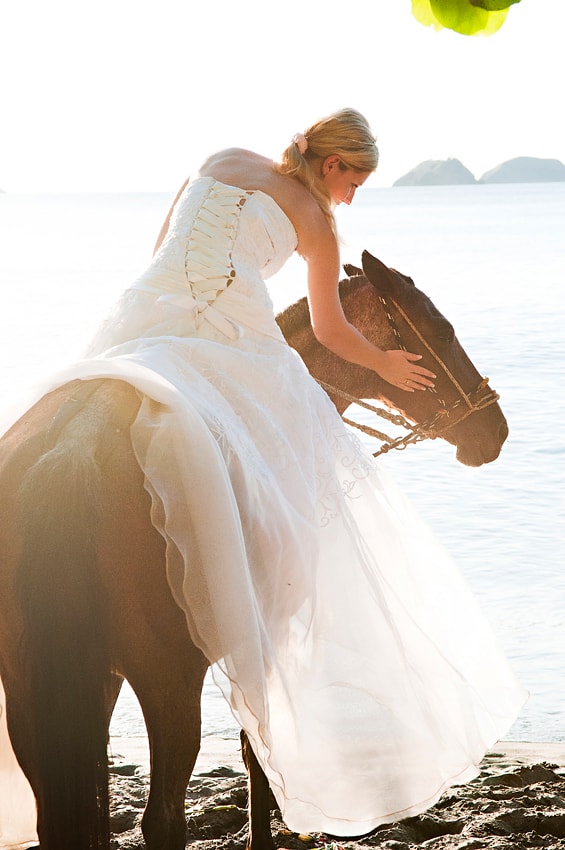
(392, 313)
(462, 409)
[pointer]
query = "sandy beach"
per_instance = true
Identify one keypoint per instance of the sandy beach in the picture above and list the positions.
(517, 801)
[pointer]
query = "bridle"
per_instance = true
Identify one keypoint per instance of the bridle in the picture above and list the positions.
(436, 426)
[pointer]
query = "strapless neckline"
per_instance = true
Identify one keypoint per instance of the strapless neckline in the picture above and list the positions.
(264, 195)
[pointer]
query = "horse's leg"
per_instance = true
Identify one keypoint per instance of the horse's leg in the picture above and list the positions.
(259, 837)
(151, 648)
(21, 734)
(170, 700)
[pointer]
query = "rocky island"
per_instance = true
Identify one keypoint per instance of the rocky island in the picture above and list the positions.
(437, 172)
(449, 172)
(526, 169)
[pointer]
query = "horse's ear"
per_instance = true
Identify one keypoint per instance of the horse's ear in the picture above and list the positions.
(352, 271)
(386, 281)
(383, 279)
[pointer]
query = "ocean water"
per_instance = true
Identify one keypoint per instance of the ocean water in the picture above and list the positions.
(492, 258)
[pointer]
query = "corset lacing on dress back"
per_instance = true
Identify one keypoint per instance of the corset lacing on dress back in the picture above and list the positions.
(208, 265)
(211, 240)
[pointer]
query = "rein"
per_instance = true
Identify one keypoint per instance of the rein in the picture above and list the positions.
(466, 403)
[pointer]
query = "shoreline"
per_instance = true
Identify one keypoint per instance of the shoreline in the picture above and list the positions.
(216, 751)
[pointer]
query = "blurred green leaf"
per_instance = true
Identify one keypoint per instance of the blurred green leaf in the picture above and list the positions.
(462, 16)
(493, 5)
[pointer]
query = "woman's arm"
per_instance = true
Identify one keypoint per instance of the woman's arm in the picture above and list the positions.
(331, 328)
(165, 227)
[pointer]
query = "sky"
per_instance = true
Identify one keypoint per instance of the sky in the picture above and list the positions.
(132, 95)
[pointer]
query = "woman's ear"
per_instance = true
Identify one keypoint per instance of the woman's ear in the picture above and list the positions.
(330, 164)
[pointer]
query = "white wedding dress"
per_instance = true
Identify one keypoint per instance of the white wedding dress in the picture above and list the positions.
(344, 638)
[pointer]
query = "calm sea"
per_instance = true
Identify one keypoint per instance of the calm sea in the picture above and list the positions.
(492, 259)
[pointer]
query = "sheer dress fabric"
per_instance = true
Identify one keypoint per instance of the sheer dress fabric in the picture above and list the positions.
(340, 631)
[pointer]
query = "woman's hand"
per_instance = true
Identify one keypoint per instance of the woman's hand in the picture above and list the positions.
(318, 246)
(399, 369)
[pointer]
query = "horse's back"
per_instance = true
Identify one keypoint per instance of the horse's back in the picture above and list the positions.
(49, 416)
(80, 417)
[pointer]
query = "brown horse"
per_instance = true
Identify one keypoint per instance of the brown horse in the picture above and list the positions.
(83, 590)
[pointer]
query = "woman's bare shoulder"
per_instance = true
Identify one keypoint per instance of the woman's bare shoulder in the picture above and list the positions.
(248, 170)
(235, 164)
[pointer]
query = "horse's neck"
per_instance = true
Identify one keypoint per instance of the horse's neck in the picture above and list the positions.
(364, 309)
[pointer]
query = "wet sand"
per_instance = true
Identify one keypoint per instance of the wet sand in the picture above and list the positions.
(517, 801)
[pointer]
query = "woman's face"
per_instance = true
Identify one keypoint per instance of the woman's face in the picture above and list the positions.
(341, 182)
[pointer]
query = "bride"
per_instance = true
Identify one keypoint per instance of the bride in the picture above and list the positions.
(354, 656)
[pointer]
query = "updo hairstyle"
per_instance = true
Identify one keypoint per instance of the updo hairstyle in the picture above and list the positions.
(345, 134)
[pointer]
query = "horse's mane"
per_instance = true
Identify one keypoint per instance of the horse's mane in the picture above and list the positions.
(296, 317)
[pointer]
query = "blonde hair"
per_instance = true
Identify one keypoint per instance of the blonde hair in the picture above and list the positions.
(346, 134)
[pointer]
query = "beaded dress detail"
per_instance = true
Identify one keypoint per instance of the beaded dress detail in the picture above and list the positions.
(342, 635)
